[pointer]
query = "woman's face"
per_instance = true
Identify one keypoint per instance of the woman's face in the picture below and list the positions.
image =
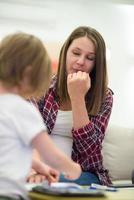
(80, 56)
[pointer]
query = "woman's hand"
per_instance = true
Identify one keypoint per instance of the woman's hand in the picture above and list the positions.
(78, 84)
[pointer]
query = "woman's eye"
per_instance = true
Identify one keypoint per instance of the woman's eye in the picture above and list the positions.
(90, 58)
(76, 53)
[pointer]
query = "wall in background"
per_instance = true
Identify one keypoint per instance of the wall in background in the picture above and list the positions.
(53, 21)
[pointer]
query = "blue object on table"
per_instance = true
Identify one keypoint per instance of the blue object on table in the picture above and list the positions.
(102, 187)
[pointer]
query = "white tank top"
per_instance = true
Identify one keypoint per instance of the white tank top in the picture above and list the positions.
(61, 134)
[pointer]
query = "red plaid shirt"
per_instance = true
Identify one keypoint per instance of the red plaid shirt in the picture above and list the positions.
(87, 140)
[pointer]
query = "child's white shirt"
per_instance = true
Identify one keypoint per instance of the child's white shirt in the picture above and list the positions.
(20, 122)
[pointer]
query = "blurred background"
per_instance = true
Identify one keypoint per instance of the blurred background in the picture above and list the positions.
(53, 20)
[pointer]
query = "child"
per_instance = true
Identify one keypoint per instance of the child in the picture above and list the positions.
(25, 72)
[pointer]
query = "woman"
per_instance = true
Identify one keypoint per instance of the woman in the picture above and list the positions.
(78, 104)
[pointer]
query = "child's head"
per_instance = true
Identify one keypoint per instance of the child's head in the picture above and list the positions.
(24, 63)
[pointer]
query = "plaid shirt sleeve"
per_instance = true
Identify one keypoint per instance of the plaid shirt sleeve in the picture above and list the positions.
(88, 138)
(88, 141)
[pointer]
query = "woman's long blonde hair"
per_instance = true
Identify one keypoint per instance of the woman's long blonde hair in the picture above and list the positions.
(96, 94)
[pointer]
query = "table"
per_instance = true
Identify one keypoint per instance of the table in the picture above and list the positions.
(122, 194)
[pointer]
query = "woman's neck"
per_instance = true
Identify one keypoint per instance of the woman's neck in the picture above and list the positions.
(65, 106)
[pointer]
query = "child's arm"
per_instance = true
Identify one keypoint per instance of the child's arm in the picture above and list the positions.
(54, 157)
(34, 176)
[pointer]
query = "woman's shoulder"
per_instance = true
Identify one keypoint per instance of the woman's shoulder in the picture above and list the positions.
(109, 95)
(109, 92)
(52, 89)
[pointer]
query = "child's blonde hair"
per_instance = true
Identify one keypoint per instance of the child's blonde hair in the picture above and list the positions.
(19, 51)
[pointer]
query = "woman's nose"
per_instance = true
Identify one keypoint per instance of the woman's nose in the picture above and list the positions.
(81, 60)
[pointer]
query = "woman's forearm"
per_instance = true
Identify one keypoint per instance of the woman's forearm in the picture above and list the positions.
(80, 115)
